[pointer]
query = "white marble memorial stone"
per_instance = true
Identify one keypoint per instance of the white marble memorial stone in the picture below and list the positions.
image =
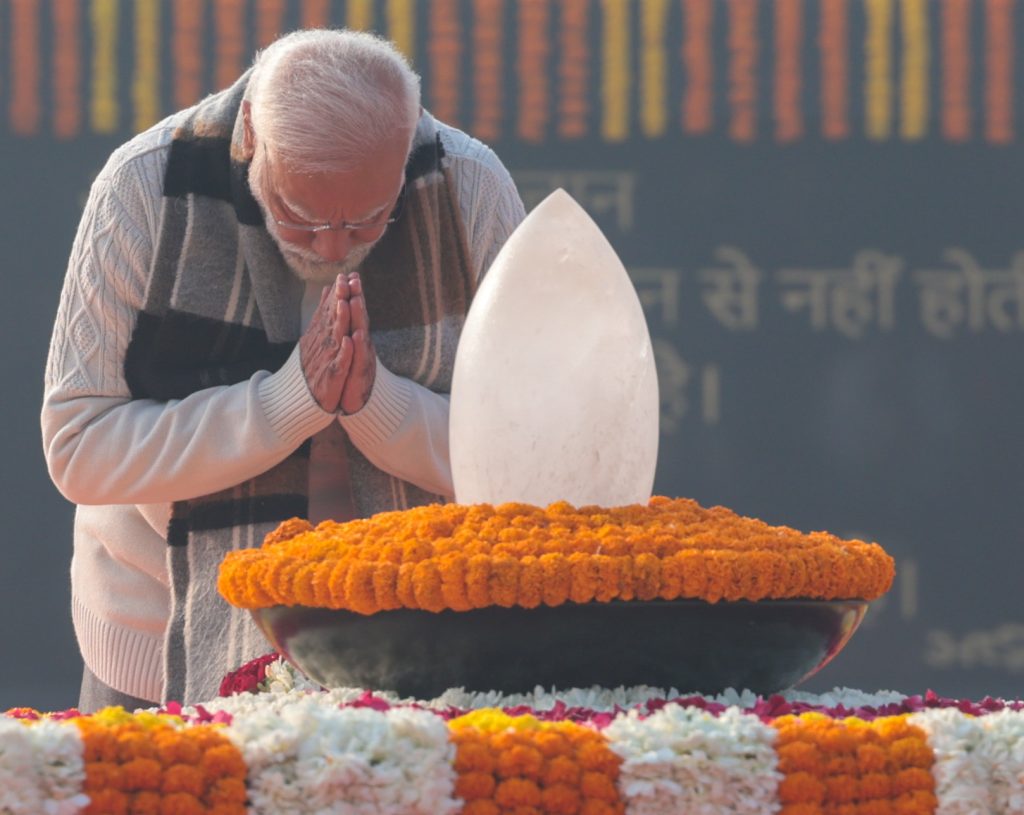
(554, 394)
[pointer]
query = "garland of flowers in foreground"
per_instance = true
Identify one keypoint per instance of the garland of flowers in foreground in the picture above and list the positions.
(303, 753)
(463, 557)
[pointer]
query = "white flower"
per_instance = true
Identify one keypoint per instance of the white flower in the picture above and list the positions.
(1003, 750)
(304, 757)
(41, 768)
(961, 772)
(687, 760)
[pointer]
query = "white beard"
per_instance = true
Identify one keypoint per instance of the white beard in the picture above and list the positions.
(306, 264)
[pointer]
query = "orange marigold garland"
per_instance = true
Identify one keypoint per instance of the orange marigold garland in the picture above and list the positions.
(147, 763)
(460, 557)
(853, 766)
(521, 765)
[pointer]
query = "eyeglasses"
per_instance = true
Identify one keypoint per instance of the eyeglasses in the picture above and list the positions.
(313, 229)
(396, 213)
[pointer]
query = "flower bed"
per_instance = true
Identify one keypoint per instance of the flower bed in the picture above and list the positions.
(463, 557)
(588, 752)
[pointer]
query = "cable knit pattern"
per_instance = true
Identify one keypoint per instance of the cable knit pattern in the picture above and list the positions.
(106, 285)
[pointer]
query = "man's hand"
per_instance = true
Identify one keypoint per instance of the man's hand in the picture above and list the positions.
(326, 350)
(363, 369)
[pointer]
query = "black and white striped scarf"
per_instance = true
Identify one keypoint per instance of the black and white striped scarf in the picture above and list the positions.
(221, 304)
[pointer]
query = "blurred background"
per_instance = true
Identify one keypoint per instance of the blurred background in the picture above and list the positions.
(819, 204)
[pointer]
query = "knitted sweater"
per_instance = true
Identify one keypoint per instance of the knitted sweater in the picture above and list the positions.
(124, 461)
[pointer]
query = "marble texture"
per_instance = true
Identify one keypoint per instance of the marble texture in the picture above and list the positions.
(555, 394)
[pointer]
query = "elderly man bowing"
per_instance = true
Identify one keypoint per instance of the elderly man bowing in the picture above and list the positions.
(259, 321)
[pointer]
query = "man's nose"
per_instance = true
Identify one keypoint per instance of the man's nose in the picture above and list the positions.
(333, 245)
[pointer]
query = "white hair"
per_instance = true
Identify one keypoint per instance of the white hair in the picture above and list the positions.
(323, 100)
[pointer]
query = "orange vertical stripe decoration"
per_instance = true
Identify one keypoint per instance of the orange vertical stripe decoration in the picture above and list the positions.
(533, 48)
(521, 766)
(401, 16)
(360, 15)
(653, 67)
(445, 54)
(487, 68)
(315, 14)
(104, 111)
(229, 24)
(834, 42)
(698, 99)
(956, 70)
(25, 107)
(146, 82)
(145, 763)
(67, 68)
(878, 68)
(743, 48)
(789, 119)
(853, 766)
(616, 76)
(187, 52)
(999, 36)
(573, 69)
(269, 20)
(914, 85)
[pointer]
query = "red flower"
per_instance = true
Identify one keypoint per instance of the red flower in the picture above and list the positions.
(247, 678)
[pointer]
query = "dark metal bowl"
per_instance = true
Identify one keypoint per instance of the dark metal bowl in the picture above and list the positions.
(690, 645)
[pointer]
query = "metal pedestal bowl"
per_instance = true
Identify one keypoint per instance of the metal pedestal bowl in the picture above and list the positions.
(690, 645)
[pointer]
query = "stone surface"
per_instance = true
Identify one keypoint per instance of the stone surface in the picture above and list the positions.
(555, 394)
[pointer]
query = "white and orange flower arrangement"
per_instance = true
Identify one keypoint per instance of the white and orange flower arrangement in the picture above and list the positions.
(636, 751)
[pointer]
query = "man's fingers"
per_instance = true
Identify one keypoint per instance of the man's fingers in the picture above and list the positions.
(360, 318)
(342, 323)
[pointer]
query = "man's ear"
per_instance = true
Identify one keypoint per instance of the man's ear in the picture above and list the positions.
(248, 137)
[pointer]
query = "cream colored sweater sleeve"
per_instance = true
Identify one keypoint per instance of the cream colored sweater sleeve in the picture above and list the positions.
(102, 446)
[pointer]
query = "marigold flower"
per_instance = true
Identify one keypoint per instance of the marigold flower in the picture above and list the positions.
(141, 774)
(521, 759)
(595, 806)
(801, 787)
(146, 803)
(458, 557)
(871, 758)
(598, 785)
(800, 755)
(911, 752)
(471, 755)
(106, 802)
(875, 785)
(841, 788)
(472, 785)
(181, 803)
(912, 780)
(514, 792)
(561, 770)
(481, 806)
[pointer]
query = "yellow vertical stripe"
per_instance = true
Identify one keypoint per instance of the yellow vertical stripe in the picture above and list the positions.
(878, 61)
(653, 67)
(914, 86)
(402, 26)
(146, 85)
(615, 77)
(360, 15)
(104, 109)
